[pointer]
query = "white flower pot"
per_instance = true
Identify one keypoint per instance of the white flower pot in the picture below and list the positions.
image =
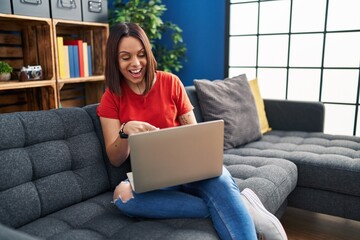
(5, 76)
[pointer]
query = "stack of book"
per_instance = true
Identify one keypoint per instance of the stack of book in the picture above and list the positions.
(74, 58)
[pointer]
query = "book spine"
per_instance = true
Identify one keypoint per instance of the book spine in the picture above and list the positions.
(60, 51)
(66, 62)
(81, 58)
(90, 60)
(76, 60)
(86, 60)
(71, 61)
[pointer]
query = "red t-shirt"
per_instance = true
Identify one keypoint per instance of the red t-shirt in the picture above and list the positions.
(161, 106)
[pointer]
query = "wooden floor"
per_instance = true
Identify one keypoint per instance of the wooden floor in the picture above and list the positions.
(304, 225)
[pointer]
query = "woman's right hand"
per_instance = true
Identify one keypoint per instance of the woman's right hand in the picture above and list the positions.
(117, 149)
(132, 127)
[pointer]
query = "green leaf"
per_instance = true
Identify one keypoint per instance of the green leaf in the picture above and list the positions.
(5, 67)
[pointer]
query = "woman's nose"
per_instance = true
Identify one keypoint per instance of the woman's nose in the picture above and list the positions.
(136, 61)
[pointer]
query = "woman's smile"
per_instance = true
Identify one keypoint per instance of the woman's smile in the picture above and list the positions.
(136, 73)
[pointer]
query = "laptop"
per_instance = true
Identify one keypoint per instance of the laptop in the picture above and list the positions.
(177, 155)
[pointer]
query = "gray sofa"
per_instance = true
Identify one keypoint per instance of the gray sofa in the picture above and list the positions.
(56, 181)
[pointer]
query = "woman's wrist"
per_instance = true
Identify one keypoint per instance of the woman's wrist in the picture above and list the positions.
(122, 133)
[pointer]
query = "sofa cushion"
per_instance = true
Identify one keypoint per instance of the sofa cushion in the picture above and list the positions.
(49, 163)
(7, 233)
(324, 161)
(98, 218)
(231, 100)
(328, 168)
(272, 179)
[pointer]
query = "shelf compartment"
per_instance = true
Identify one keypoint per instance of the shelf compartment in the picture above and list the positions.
(27, 99)
(80, 94)
(95, 34)
(27, 41)
(81, 91)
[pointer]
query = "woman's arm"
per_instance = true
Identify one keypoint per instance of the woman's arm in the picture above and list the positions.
(117, 149)
(187, 118)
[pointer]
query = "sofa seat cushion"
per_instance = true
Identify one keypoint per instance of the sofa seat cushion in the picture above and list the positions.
(98, 218)
(272, 179)
(325, 162)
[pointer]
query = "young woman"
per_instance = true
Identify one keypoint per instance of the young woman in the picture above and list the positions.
(140, 98)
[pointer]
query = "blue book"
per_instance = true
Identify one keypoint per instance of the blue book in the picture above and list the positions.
(76, 61)
(71, 61)
(89, 60)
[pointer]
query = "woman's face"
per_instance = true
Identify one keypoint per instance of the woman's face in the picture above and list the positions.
(132, 59)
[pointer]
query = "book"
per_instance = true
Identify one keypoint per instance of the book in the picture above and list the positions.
(80, 54)
(66, 62)
(61, 58)
(86, 60)
(71, 61)
(90, 60)
(76, 61)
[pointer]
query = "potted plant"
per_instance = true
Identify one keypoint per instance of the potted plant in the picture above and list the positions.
(147, 13)
(5, 71)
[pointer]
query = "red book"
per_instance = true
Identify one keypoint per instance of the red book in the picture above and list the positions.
(78, 43)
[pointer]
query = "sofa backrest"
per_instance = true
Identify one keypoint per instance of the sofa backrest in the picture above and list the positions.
(49, 160)
(116, 174)
(191, 92)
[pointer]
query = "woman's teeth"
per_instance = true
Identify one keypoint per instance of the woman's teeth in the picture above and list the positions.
(135, 73)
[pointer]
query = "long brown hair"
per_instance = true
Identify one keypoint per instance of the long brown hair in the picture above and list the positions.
(113, 76)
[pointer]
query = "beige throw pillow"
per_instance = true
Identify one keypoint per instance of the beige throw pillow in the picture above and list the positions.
(259, 101)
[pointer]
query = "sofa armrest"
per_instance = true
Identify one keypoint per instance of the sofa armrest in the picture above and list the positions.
(7, 233)
(291, 115)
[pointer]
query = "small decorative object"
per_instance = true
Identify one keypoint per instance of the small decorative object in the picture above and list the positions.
(31, 73)
(5, 71)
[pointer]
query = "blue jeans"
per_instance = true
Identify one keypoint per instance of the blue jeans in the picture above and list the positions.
(217, 197)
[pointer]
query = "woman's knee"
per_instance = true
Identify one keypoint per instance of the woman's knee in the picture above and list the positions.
(123, 191)
(225, 177)
(224, 181)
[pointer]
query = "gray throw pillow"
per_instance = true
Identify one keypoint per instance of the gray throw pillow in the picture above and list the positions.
(231, 100)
